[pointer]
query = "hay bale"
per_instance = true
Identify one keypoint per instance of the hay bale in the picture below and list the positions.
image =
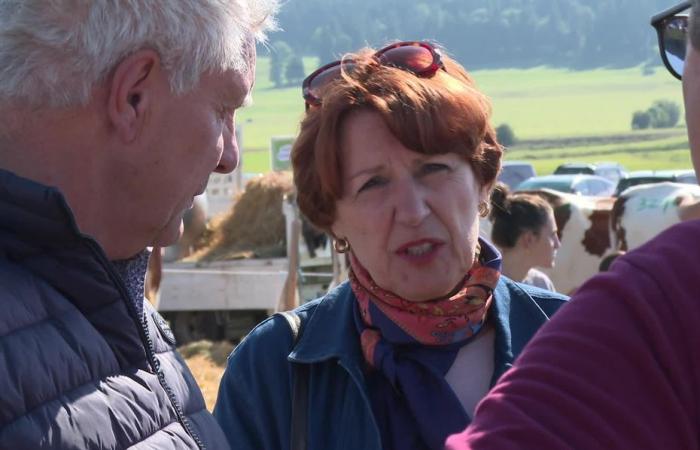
(255, 225)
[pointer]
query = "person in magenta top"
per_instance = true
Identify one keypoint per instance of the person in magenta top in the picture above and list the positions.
(619, 367)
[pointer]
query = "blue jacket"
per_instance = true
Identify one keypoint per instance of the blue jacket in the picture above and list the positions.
(254, 406)
(82, 366)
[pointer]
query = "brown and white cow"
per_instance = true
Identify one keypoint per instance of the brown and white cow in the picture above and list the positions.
(642, 212)
(591, 228)
(584, 232)
(583, 225)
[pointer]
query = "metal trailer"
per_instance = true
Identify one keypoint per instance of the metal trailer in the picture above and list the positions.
(226, 299)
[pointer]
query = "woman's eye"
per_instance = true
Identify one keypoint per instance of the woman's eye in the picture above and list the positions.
(371, 183)
(433, 167)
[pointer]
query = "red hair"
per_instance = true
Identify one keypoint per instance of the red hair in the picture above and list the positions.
(437, 115)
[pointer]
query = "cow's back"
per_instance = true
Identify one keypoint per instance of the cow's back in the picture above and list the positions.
(583, 228)
(642, 212)
(583, 224)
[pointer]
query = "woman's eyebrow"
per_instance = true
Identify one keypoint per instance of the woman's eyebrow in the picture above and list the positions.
(366, 171)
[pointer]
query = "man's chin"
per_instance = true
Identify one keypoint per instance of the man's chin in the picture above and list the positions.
(168, 236)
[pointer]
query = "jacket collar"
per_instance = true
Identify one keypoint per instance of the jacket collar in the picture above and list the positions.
(330, 330)
(34, 211)
(38, 232)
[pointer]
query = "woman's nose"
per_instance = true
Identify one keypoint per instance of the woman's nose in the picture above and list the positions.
(411, 206)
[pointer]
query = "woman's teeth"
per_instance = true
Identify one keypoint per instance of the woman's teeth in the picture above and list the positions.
(418, 250)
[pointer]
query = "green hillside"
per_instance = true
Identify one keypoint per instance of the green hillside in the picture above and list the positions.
(558, 115)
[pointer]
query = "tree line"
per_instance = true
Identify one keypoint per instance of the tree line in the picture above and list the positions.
(576, 34)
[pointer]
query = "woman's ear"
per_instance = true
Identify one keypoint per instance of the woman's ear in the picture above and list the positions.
(335, 232)
(527, 239)
(485, 193)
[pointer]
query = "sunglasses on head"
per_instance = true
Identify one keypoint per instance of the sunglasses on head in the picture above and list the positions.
(672, 29)
(420, 58)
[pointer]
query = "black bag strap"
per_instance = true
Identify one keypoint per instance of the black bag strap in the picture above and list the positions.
(300, 394)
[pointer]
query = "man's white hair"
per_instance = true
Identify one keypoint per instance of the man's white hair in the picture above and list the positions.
(53, 52)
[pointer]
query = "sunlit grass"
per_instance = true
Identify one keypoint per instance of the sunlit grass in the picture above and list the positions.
(539, 103)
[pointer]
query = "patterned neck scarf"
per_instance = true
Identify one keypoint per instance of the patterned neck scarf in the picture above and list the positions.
(412, 345)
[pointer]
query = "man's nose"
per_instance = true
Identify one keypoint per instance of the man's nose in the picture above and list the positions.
(229, 156)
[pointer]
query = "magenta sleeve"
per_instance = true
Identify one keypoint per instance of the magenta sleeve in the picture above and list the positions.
(618, 367)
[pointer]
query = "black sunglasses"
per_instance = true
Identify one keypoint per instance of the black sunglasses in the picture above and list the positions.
(672, 29)
(420, 58)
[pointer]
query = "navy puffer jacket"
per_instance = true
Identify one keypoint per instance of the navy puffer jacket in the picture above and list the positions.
(80, 366)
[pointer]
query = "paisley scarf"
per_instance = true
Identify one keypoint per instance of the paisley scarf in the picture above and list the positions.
(410, 346)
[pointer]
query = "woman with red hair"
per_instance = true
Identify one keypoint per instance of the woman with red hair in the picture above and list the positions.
(395, 159)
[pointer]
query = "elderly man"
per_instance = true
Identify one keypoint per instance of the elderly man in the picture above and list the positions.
(619, 367)
(114, 114)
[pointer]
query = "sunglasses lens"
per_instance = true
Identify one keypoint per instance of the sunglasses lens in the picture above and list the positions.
(415, 58)
(675, 33)
(321, 80)
(419, 58)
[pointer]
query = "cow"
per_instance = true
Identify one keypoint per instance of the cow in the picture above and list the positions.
(641, 212)
(583, 225)
(594, 228)
(584, 232)
(313, 237)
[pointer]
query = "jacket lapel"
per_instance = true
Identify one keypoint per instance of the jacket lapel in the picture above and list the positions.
(517, 319)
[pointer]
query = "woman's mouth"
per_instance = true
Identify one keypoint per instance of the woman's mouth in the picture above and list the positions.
(419, 249)
(420, 252)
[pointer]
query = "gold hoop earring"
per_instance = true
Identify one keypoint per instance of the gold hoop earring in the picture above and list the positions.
(484, 209)
(341, 245)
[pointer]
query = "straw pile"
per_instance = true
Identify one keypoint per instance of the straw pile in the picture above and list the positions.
(255, 226)
(207, 361)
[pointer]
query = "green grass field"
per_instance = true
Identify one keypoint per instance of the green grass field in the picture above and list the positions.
(559, 116)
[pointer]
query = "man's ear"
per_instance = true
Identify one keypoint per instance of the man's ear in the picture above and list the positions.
(132, 88)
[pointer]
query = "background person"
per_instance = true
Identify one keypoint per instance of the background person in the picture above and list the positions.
(114, 116)
(525, 232)
(618, 367)
(395, 159)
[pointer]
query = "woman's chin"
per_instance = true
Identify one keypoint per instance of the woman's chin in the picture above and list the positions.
(423, 293)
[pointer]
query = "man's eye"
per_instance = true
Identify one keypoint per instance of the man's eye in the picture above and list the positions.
(371, 183)
(225, 112)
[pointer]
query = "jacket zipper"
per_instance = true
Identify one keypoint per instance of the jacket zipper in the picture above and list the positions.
(150, 350)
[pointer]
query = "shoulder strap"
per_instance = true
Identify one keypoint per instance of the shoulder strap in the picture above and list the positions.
(300, 394)
(294, 322)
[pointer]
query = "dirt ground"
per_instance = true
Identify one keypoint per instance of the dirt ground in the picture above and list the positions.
(207, 361)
